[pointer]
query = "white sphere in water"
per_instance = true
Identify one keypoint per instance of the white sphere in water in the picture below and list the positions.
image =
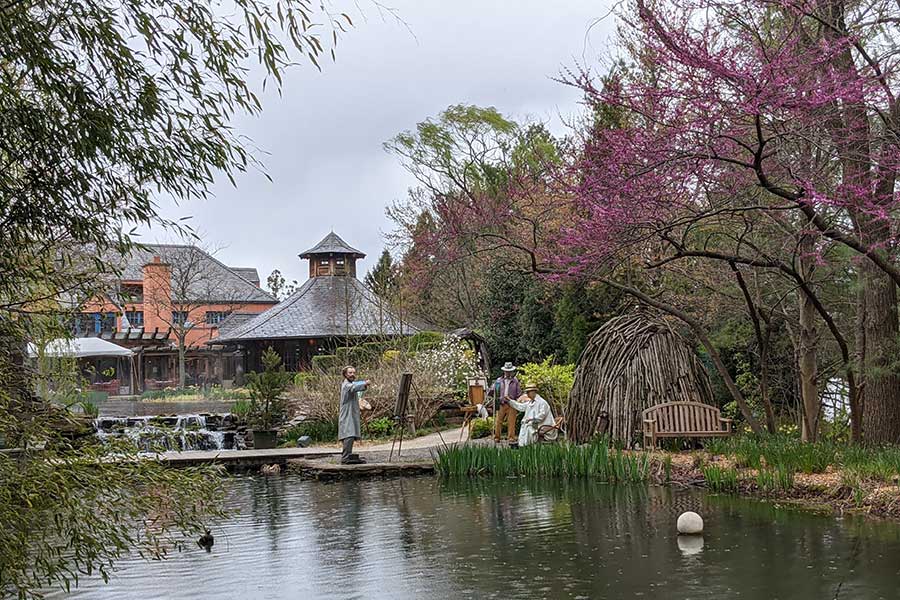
(690, 523)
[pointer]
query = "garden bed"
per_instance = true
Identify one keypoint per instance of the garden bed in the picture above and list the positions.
(819, 476)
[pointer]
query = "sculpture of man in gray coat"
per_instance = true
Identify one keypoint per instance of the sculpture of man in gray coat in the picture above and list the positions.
(348, 421)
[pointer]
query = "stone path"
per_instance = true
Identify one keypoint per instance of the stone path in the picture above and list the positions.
(413, 450)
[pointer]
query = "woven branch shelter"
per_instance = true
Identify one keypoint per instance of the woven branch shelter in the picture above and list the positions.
(632, 363)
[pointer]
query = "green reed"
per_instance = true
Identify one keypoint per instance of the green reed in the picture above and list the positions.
(720, 479)
(565, 461)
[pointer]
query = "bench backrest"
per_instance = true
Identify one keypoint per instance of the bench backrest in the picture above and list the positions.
(684, 416)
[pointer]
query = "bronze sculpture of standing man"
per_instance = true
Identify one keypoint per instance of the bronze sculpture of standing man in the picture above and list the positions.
(505, 388)
(349, 420)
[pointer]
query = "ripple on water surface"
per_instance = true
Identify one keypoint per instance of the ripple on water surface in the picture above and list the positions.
(421, 538)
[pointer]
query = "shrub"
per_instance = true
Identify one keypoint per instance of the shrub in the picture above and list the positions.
(554, 381)
(482, 428)
(268, 408)
(326, 363)
(380, 427)
(318, 431)
(302, 377)
(241, 410)
(449, 365)
(424, 340)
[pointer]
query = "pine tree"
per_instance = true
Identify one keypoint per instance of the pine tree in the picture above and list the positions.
(382, 279)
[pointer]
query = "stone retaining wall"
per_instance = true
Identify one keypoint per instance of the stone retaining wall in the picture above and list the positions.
(115, 407)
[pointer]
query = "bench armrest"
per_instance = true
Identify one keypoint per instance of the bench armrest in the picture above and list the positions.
(649, 424)
(727, 423)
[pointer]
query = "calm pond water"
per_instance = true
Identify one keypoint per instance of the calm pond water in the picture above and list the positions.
(423, 538)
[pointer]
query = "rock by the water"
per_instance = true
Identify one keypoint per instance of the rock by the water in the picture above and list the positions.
(270, 469)
(690, 523)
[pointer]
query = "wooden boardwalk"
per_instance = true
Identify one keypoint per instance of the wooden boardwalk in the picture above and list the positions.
(243, 458)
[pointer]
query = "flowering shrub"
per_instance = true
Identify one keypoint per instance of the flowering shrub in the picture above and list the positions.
(448, 366)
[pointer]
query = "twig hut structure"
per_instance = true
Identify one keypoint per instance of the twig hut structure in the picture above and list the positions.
(632, 363)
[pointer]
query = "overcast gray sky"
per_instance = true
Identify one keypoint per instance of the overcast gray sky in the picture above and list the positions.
(323, 138)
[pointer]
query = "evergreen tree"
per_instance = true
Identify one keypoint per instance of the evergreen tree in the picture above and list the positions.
(382, 278)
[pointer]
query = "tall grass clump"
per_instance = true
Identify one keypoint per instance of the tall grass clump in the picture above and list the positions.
(784, 476)
(766, 480)
(882, 464)
(775, 451)
(563, 461)
(720, 479)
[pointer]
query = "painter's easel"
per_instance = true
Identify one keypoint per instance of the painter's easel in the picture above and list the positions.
(400, 416)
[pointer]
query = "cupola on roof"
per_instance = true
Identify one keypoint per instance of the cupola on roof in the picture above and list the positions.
(332, 244)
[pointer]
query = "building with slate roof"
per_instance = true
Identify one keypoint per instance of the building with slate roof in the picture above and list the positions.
(163, 286)
(332, 308)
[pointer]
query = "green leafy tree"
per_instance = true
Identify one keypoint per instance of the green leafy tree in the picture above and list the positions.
(105, 107)
(579, 311)
(268, 407)
(382, 279)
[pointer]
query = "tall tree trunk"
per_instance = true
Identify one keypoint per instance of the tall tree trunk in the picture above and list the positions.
(182, 375)
(868, 163)
(807, 359)
(881, 409)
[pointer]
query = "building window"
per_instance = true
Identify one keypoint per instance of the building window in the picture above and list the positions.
(135, 317)
(84, 324)
(214, 317)
(95, 323)
(132, 292)
(179, 317)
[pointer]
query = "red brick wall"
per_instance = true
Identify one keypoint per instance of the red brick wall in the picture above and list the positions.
(157, 308)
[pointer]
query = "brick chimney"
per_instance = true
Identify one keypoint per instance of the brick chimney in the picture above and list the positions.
(157, 294)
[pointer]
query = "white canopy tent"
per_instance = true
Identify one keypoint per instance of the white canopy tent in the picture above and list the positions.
(79, 348)
(88, 348)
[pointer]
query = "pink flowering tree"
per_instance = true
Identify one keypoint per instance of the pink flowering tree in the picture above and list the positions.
(784, 109)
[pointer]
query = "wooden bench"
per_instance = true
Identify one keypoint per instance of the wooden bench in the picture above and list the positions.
(683, 419)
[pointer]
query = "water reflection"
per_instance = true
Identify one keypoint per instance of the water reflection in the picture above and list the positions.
(690, 544)
(422, 538)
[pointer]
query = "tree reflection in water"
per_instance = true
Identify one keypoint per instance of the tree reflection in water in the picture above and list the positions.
(429, 539)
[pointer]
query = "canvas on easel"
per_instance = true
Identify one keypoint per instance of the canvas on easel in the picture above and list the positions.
(400, 412)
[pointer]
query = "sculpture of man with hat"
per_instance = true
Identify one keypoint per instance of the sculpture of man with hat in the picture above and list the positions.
(537, 414)
(505, 388)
